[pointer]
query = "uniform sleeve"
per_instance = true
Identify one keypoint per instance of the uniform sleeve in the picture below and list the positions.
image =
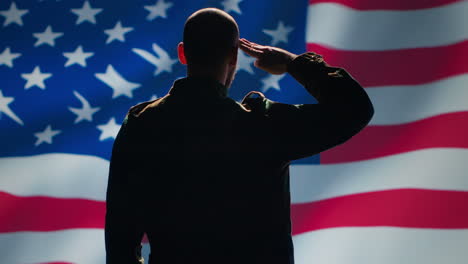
(304, 130)
(123, 231)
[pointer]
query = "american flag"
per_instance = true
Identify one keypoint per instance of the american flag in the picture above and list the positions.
(395, 193)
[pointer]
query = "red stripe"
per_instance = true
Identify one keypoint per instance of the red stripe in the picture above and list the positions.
(39, 213)
(398, 67)
(388, 5)
(401, 208)
(48, 214)
(57, 263)
(442, 131)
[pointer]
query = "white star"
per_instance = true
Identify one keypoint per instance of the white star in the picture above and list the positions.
(13, 15)
(280, 34)
(46, 37)
(46, 135)
(244, 62)
(35, 78)
(78, 57)
(86, 13)
(109, 130)
(272, 81)
(115, 81)
(232, 5)
(4, 108)
(158, 10)
(163, 63)
(117, 33)
(84, 113)
(7, 57)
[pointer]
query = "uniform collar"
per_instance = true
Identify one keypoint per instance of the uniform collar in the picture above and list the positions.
(198, 87)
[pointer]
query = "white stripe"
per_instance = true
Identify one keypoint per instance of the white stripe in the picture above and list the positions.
(441, 169)
(55, 175)
(350, 29)
(329, 246)
(145, 251)
(76, 176)
(382, 245)
(78, 246)
(403, 104)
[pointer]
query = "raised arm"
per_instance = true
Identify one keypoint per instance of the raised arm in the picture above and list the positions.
(304, 130)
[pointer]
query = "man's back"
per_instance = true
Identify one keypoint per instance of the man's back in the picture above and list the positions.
(206, 178)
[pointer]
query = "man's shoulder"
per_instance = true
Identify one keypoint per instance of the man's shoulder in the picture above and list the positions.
(143, 107)
(254, 103)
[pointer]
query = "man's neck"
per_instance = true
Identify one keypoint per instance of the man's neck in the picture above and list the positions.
(219, 74)
(198, 87)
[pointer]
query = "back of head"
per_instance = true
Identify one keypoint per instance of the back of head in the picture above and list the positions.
(210, 36)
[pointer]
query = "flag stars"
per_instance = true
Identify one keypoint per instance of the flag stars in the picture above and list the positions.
(86, 112)
(86, 13)
(162, 60)
(272, 81)
(117, 33)
(77, 57)
(46, 135)
(13, 15)
(119, 85)
(6, 57)
(232, 5)
(35, 78)
(4, 108)
(280, 34)
(244, 62)
(158, 10)
(109, 130)
(46, 37)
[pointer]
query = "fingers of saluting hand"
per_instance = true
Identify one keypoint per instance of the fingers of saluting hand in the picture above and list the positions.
(251, 44)
(250, 48)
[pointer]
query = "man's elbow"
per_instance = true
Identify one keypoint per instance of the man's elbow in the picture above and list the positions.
(368, 113)
(361, 117)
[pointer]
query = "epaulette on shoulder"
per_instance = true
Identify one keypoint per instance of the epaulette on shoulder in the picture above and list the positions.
(257, 102)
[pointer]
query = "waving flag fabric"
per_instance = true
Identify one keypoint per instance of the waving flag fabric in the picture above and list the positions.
(395, 193)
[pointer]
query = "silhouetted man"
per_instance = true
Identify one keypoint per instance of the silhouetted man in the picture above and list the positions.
(206, 177)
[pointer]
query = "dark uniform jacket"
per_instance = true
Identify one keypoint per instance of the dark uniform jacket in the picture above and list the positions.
(207, 178)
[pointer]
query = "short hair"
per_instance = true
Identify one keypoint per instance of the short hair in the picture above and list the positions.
(210, 35)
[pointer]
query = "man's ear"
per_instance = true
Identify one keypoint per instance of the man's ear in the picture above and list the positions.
(181, 53)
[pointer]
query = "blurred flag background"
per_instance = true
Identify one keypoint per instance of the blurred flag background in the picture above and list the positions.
(395, 193)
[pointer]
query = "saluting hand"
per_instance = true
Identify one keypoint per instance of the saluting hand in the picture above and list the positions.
(270, 59)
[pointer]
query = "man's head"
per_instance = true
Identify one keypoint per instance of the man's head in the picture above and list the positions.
(210, 42)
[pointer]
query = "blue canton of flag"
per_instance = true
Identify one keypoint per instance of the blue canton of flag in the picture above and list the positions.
(71, 69)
